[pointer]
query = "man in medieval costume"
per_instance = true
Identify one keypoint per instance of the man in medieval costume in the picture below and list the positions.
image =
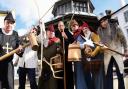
(112, 36)
(87, 75)
(79, 73)
(66, 38)
(94, 56)
(8, 42)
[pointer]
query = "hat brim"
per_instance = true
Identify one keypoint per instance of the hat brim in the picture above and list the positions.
(104, 18)
(13, 21)
(89, 27)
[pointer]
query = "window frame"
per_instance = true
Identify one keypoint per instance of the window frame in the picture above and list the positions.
(126, 16)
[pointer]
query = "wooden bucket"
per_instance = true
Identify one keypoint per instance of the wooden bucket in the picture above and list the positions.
(33, 41)
(74, 52)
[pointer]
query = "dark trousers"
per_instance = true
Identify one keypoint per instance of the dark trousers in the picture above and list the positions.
(6, 76)
(109, 76)
(69, 75)
(31, 76)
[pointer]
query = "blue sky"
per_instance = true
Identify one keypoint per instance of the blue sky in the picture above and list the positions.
(102, 5)
(28, 11)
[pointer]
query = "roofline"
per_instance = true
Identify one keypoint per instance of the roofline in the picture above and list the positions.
(69, 15)
(120, 9)
(3, 12)
(65, 1)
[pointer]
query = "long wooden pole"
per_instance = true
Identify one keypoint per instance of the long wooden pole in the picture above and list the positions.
(107, 48)
(64, 63)
(12, 52)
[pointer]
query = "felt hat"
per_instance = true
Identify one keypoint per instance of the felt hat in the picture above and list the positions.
(89, 27)
(85, 25)
(9, 17)
(50, 28)
(103, 16)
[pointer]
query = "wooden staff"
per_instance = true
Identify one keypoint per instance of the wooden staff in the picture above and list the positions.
(12, 52)
(107, 48)
(64, 63)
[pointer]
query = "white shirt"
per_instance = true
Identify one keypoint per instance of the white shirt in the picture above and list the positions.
(29, 58)
(43, 40)
(10, 33)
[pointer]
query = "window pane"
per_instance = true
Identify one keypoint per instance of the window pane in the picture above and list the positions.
(80, 6)
(127, 32)
(68, 7)
(84, 4)
(126, 16)
(77, 8)
(84, 9)
(77, 4)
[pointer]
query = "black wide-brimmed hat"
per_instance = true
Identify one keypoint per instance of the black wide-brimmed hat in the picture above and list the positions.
(104, 17)
(10, 17)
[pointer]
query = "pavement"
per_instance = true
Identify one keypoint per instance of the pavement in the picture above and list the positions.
(115, 83)
(17, 85)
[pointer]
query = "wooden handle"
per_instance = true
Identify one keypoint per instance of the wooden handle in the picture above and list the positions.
(12, 52)
(102, 45)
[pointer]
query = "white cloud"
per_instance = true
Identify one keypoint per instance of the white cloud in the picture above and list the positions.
(27, 10)
(22, 32)
(2, 21)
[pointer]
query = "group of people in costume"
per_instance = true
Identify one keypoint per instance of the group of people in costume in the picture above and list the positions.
(95, 68)
(93, 71)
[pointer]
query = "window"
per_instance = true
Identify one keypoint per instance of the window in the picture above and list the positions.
(126, 16)
(80, 6)
(58, 10)
(62, 9)
(68, 7)
(127, 32)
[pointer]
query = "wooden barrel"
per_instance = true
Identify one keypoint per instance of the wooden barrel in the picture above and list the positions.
(74, 52)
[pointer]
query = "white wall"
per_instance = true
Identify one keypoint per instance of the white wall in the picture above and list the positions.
(1, 21)
(121, 19)
(125, 81)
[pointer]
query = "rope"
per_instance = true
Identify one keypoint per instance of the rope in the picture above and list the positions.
(46, 12)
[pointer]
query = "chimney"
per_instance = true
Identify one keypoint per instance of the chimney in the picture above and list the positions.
(122, 3)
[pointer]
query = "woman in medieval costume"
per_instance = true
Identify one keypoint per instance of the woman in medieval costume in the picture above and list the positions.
(46, 80)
